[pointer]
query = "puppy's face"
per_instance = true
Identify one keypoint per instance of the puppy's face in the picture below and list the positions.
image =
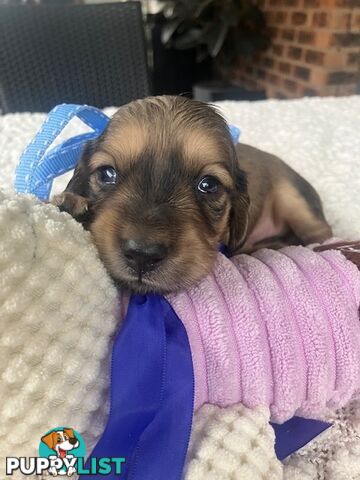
(61, 441)
(163, 190)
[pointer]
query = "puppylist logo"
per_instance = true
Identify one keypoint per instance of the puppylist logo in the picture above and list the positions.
(62, 451)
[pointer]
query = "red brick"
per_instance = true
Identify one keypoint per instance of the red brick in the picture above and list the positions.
(326, 90)
(288, 35)
(272, 78)
(350, 89)
(355, 21)
(347, 3)
(315, 52)
(270, 91)
(306, 37)
(318, 78)
(268, 62)
(336, 78)
(274, 32)
(323, 38)
(290, 84)
(335, 59)
(314, 57)
(280, 95)
(270, 16)
(353, 58)
(278, 49)
(329, 3)
(340, 3)
(280, 18)
(346, 39)
(340, 21)
(299, 91)
(294, 53)
(332, 18)
(299, 18)
(276, 17)
(291, 3)
(310, 92)
(320, 19)
(302, 73)
(261, 73)
(284, 67)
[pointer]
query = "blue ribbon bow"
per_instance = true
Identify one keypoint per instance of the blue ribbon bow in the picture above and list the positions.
(152, 379)
(38, 166)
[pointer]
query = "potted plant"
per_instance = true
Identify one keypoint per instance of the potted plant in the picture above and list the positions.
(223, 31)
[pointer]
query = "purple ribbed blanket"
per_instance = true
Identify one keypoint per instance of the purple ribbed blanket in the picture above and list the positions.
(278, 328)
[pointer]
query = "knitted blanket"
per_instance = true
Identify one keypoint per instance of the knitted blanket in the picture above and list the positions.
(231, 443)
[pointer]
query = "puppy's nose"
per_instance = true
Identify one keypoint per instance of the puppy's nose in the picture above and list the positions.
(73, 441)
(143, 257)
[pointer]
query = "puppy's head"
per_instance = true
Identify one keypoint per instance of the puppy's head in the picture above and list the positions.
(61, 441)
(162, 190)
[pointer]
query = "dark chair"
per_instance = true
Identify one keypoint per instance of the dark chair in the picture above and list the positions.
(50, 54)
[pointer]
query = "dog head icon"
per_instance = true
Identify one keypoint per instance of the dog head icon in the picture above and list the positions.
(61, 441)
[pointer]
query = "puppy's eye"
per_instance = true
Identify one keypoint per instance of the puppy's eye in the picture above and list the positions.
(208, 184)
(107, 175)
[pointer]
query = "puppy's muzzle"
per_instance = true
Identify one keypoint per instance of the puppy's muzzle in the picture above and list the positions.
(143, 257)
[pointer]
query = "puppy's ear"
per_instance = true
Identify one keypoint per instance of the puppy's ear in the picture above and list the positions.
(75, 199)
(69, 432)
(239, 213)
(79, 183)
(49, 440)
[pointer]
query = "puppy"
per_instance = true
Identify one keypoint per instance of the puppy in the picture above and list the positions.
(164, 186)
(61, 441)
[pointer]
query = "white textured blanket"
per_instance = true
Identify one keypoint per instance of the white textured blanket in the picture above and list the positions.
(320, 139)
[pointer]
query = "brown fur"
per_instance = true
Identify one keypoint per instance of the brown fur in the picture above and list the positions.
(278, 193)
(161, 147)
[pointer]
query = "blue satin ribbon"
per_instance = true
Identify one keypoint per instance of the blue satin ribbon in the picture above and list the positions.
(292, 435)
(152, 379)
(39, 163)
(152, 394)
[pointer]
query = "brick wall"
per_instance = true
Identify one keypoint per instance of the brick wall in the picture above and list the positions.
(315, 49)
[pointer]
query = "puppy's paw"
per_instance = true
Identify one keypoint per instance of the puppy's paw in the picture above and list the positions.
(53, 471)
(71, 471)
(75, 205)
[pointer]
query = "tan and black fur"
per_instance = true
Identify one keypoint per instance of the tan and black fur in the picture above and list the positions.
(162, 149)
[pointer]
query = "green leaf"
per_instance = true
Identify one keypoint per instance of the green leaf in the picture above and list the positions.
(215, 27)
(189, 39)
(216, 39)
(169, 29)
(202, 7)
(201, 54)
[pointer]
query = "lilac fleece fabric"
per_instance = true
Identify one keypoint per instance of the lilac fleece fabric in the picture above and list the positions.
(277, 328)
